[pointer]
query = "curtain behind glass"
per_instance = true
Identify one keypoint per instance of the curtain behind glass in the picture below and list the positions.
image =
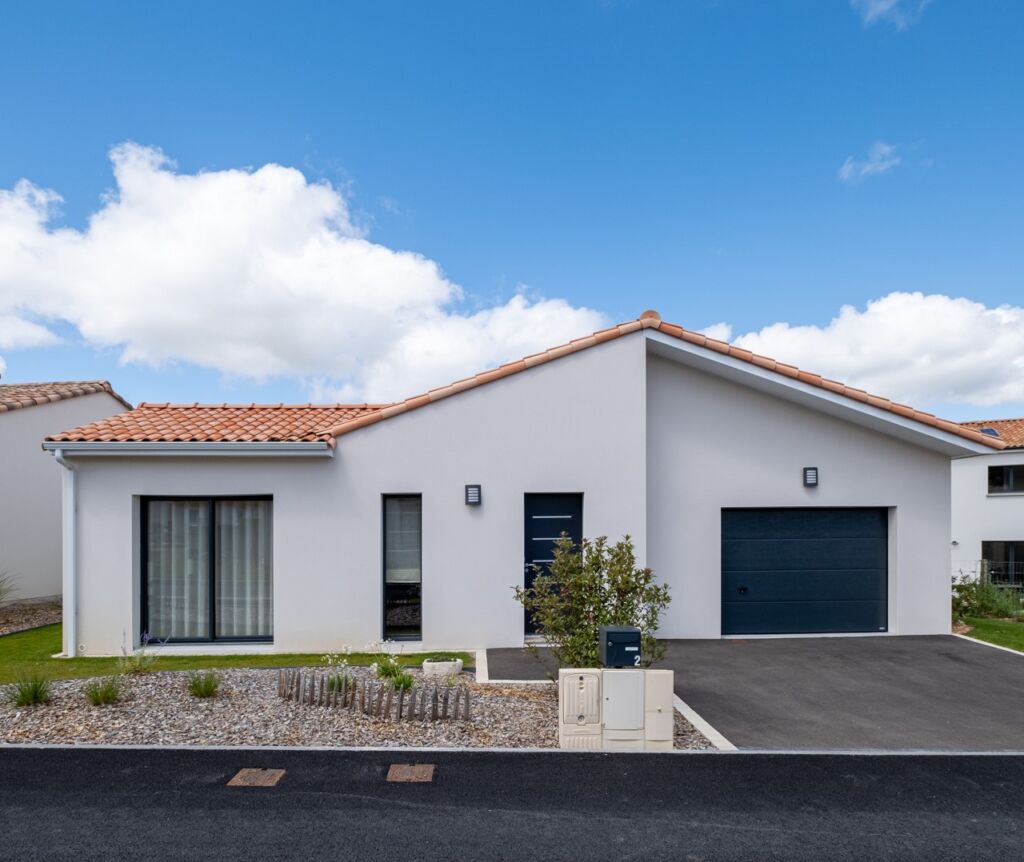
(178, 569)
(402, 540)
(244, 579)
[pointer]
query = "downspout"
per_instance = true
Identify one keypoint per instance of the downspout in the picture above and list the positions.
(70, 610)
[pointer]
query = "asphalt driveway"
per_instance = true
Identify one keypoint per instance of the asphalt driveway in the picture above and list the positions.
(936, 693)
(939, 693)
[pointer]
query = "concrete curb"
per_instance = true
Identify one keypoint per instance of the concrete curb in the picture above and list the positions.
(1017, 653)
(701, 725)
(399, 750)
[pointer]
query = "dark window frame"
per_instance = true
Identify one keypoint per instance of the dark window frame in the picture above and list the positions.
(1012, 479)
(1009, 570)
(384, 567)
(144, 502)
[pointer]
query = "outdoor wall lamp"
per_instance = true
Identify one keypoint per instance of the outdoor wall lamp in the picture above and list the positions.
(810, 477)
(474, 495)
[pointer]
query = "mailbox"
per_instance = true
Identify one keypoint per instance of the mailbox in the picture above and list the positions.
(619, 646)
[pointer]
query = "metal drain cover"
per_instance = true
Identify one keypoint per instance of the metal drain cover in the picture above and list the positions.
(256, 778)
(411, 772)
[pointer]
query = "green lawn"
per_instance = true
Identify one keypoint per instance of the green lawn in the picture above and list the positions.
(1005, 633)
(32, 650)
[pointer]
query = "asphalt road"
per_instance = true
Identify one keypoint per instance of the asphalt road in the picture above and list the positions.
(166, 804)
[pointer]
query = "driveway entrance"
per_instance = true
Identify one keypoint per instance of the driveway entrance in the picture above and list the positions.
(940, 693)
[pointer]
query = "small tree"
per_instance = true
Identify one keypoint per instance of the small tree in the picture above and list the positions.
(592, 585)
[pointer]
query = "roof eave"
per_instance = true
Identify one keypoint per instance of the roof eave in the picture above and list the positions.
(193, 448)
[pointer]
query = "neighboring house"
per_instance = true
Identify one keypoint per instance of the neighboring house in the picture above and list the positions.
(771, 501)
(30, 504)
(988, 506)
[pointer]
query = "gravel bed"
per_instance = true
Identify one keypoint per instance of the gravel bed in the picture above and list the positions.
(16, 618)
(158, 710)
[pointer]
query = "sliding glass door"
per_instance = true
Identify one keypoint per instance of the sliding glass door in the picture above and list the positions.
(208, 569)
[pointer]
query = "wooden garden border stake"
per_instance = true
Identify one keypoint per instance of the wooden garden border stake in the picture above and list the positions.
(412, 704)
(433, 704)
(444, 704)
(387, 703)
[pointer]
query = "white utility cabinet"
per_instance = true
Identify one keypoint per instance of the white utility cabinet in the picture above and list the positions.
(579, 709)
(615, 709)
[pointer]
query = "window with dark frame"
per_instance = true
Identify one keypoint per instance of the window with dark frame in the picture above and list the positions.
(1006, 479)
(207, 568)
(1004, 562)
(403, 572)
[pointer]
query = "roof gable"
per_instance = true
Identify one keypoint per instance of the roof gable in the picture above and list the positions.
(651, 320)
(323, 423)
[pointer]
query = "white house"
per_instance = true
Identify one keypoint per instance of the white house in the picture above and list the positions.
(772, 501)
(988, 506)
(30, 505)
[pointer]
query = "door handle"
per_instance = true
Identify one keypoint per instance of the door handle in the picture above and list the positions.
(741, 590)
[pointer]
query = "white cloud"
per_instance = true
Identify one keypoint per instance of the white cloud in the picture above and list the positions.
(881, 159)
(719, 331)
(899, 13)
(911, 347)
(255, 273)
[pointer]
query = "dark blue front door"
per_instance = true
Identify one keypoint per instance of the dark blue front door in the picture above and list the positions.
(548, 516)
(804, 571)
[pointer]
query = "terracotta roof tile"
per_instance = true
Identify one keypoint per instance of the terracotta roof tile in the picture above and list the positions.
(225, 423)
(1011, 431)
(241, 423)
(16, 396)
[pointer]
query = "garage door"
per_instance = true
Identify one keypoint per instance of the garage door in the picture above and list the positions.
(804, 571)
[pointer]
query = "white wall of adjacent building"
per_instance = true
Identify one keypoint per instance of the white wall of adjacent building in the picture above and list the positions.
(30, 490)
(979, 516)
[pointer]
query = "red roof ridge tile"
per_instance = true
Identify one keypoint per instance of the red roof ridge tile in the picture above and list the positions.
(651, 319)
(280, 422)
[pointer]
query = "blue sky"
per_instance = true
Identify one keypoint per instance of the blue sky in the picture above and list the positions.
(685, 156)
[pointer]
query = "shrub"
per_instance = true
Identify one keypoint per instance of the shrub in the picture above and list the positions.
(440, 656)
(979, 597)
(337, 682)
(102, 692)
(204, 683)
(386, 666)
(136, 661)
(589, 586)
(30, 689)
(402, 680)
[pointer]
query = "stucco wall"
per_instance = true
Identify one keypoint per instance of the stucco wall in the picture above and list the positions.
(30, 505)
(713, 444)
(979, 516)
(575, 425)
(658, 461)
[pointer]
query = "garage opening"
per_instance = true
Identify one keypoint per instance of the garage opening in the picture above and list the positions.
(804, 571)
